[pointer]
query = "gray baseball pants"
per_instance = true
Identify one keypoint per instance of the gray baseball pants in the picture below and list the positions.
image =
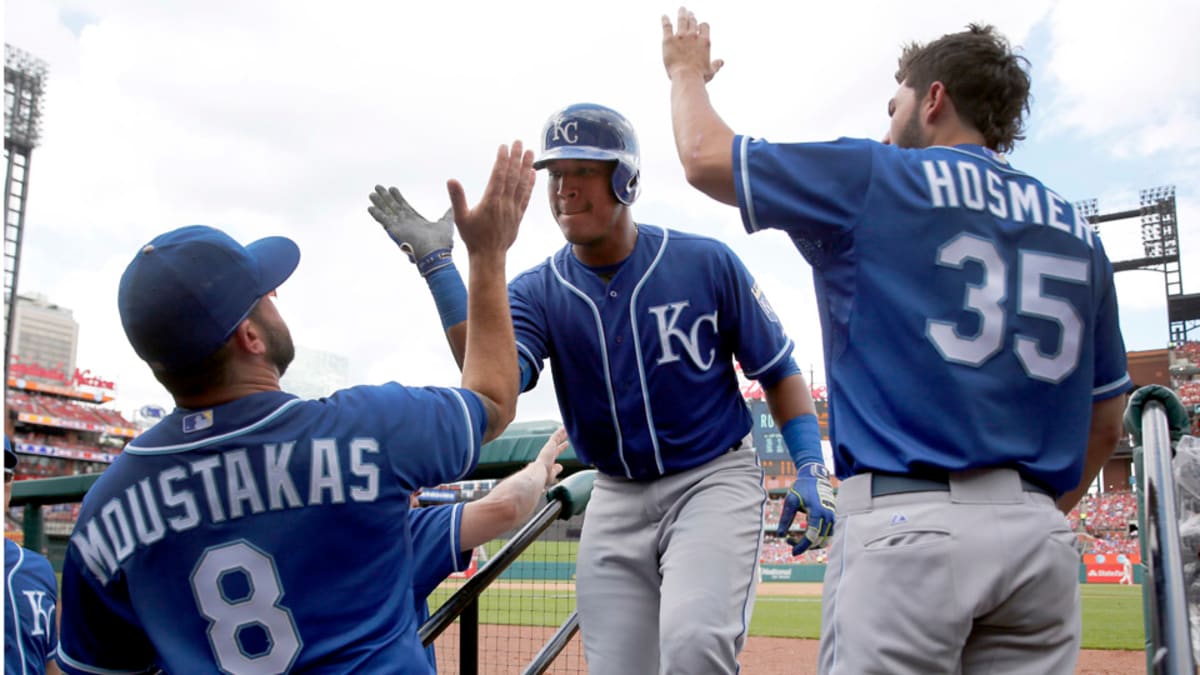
(983, 578)
(666, 571)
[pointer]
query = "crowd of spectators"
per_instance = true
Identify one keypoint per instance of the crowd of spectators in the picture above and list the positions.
(1105, 514)
(1104, 521)
(53, 406)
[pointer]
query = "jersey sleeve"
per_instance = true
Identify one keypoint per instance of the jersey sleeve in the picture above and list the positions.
(1111, 368)
(98, 631)
(44, 574)
(529, 327)
(812, 191)
(761, 343)
(437, 548)
(33, 621)
(430, 435)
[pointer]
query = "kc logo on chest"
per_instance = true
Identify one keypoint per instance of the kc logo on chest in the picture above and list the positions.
(667, 317)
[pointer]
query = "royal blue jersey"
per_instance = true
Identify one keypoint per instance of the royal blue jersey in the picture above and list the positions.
(437, 552)
(643, 363)
(268, 534)
(30, 621)
(968, 312)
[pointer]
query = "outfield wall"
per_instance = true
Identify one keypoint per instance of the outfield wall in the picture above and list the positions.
(565, 571)
(1088, 574)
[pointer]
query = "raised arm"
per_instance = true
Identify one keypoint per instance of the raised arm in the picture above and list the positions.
(488, 230)
(428, 244)
(703, 140)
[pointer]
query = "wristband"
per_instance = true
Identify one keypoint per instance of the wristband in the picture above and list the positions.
(449, 293)
(433, 261)
(802, 436)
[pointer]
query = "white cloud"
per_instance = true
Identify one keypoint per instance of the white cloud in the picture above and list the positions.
(1128, 68)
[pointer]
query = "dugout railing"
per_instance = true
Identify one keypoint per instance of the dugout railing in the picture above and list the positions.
(565, 500)
(1164, 595)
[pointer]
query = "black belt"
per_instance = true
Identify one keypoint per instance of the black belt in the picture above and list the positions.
(883, 484)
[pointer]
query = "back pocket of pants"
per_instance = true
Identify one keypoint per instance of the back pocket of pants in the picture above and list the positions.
(907, 539)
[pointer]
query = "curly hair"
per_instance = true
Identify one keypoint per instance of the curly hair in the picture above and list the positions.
(988, 83)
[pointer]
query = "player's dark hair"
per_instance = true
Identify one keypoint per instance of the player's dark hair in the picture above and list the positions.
(988, 83)
(213, 372)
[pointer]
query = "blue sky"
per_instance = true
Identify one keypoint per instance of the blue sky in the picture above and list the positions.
(278, 117)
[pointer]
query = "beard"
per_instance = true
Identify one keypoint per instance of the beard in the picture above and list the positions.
(910, 135)
(280, 349)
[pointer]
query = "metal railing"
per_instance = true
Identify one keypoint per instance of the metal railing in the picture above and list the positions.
(567, 499)
(1168, 630)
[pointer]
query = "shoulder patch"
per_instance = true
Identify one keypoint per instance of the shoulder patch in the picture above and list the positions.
(198, 421)
(762, 303)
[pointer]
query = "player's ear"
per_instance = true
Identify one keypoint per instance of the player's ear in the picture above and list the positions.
(936, 103)
(249, 337)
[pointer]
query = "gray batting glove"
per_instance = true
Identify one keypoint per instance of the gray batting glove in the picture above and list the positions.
(427, 243)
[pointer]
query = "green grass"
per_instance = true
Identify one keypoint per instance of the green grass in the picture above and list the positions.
(540, 551)
(1112, 615)
(519, 607)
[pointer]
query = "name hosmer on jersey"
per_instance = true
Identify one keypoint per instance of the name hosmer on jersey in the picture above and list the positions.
(960, 184)
(222, 487)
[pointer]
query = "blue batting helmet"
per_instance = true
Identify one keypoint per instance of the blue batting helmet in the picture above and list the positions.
(591, 131)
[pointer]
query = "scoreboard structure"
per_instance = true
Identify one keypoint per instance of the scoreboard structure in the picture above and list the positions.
(768, 442)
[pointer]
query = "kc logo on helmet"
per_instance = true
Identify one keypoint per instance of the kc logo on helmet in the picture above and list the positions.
(568, 132)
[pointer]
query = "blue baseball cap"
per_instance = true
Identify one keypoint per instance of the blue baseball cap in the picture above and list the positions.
(186, 292)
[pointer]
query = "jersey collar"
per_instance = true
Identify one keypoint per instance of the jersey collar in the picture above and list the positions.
(186, 428)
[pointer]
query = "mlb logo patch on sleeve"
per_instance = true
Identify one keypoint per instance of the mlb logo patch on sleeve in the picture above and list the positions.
(763, 304)
(198, 421)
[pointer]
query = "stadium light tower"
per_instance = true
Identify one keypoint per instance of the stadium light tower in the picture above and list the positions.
(24, 82)
(1160, 253)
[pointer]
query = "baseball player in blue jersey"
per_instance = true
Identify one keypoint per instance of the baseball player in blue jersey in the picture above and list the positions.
(254, 532)
(642, 325)
(973, 352)
(30, 599)
(444, 536)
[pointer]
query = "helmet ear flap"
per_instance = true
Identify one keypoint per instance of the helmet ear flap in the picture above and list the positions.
(626, 183)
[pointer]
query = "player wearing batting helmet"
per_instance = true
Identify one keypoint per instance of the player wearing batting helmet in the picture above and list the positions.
(974, 357)
(642, 325)
(254, 532)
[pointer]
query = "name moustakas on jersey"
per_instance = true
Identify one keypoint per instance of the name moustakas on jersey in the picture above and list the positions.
(183, 498)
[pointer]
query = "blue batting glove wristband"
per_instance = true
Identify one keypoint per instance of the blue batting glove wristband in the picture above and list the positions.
(802, 436)
(434, 261)
(811, 493)
(449, 293)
